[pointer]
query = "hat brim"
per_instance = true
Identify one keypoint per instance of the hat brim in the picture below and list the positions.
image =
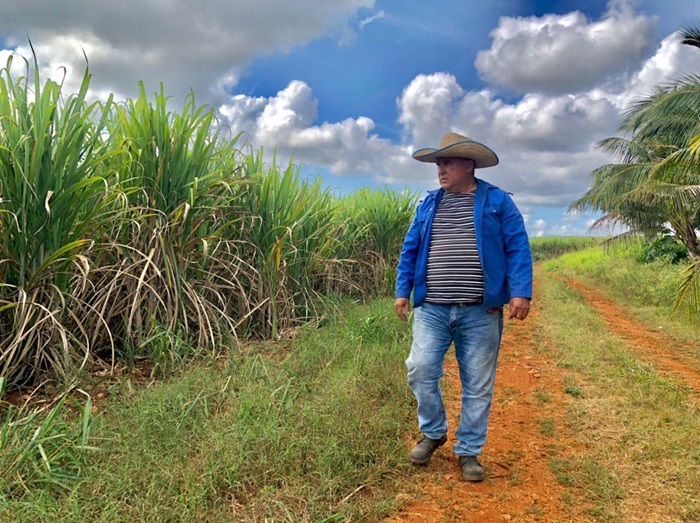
(482, 155)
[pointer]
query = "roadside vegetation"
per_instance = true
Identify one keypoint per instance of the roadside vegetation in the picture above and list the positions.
(644, 276)
(549, 247)
(635, 426)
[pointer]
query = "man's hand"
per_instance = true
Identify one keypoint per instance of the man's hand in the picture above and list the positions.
(403, 308)
(519, 308)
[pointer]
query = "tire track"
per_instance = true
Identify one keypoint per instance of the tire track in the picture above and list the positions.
(652, 345)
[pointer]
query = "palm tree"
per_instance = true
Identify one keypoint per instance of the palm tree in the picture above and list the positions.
(657, 183)
(680, 170)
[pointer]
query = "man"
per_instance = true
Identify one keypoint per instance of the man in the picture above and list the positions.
(466, 255)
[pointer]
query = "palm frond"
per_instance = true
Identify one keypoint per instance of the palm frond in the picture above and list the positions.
(690, 35)
(688, 299)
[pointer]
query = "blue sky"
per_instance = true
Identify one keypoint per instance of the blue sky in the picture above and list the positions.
(349, 88)
(407, 39)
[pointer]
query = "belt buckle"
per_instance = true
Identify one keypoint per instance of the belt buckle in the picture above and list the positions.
(469, 303)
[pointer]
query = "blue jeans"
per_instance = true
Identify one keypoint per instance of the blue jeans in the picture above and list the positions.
(476, 333)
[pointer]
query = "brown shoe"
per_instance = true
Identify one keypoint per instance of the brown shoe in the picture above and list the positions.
(471, 468)
(423, 451)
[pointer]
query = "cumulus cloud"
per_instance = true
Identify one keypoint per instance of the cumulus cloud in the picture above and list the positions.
(557, 54)
(426, 105)
(671, 60)
(561, 123)
(187, 45)
(287, 123)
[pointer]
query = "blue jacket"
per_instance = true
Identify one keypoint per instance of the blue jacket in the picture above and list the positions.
(504, 249)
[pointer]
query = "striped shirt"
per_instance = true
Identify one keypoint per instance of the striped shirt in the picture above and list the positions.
(454, 270)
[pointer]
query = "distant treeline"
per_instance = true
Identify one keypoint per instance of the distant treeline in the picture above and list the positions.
(549, 247)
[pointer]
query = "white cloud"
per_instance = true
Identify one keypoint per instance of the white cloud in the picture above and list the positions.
(292, 109)
(558, 54)
(670, 60)
(561, 123)
(350, 32)
(286, 122)
(426, 105)
(187, 45)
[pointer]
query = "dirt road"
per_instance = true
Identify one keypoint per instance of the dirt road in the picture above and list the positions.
(529, 401)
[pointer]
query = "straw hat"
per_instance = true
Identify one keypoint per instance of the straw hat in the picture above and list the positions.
(455, 145)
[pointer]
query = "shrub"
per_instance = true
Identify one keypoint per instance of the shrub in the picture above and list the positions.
(665, 247)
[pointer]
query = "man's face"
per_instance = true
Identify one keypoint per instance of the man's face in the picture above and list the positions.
(455, 174)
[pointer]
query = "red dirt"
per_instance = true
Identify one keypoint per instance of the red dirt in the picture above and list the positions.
(528, 400)
(519, 484)
(649, 343)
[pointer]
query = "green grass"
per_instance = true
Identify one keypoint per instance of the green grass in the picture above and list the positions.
(619, 270)
(301, 430)
(548, 427)
(646, 290)
(542, 396)
(42, 448)
(641, 430)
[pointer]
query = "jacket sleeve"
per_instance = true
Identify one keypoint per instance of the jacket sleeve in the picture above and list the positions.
(405, 273)
(517, 250)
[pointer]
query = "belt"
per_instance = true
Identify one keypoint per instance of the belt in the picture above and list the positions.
(461, 303)
(468, 303)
